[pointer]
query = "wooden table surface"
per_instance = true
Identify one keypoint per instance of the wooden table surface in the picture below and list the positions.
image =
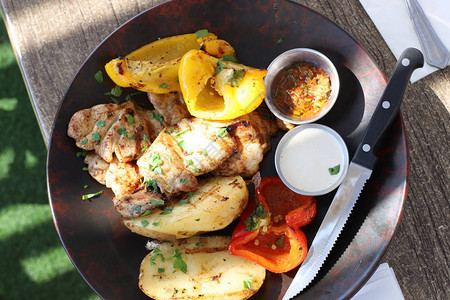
(53, 38)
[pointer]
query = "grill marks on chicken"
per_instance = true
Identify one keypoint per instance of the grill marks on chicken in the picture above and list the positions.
(132, 198)
(195, 147)
(180, 153)
(132, 146)
(252, 134)
(122, 178)
(163, 161)
(120, 129)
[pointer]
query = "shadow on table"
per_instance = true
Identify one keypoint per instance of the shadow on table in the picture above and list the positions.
(33, 261)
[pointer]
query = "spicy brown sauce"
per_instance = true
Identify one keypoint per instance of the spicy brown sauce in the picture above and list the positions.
(302, 90)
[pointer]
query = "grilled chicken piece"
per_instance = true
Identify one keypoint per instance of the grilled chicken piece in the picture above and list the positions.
(120, 129)
(283, 125)
(132, 198)
(206, 144)
(195, 146)
(171, 106)
(163, 161)
(191, 148)
(135, 204)
(97, 167)
(252, 134)
(122, 178)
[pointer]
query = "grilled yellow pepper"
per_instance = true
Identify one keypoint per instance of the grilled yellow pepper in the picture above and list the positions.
(154, 67)
(219, 89)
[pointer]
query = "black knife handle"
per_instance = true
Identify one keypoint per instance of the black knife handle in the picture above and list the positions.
(388, 106)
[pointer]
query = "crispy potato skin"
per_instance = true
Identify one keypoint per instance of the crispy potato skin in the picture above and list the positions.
(217, 202)
(212, 273)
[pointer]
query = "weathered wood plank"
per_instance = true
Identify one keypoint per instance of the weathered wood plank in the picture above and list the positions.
(53, 38)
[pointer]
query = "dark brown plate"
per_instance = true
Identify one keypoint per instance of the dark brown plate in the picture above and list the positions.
(108, 255)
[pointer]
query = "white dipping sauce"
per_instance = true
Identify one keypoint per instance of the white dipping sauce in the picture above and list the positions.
(306, 155)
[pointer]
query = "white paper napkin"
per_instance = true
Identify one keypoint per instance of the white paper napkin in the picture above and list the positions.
(392, 20)
(382, 285)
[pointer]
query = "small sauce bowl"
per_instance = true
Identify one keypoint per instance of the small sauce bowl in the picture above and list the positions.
(312, 159)
(285, 61)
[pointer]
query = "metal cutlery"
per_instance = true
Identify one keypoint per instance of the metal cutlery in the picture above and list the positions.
(436, 54)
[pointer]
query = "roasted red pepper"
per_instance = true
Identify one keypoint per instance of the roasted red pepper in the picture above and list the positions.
(268, 232)
(297, 210)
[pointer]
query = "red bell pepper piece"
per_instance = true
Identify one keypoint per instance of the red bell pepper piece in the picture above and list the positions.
(298, 210)
(268, 232)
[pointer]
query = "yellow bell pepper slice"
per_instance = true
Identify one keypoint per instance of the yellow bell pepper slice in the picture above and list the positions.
(246, 97)
(214, 96)
(154, 67)
(144, 76)
(218, 48)
(165, 49)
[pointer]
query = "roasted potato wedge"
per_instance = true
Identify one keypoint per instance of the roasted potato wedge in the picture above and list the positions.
(217, 202)
(210, 271)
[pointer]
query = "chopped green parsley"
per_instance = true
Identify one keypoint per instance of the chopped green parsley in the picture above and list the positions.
(156, 116)
(146, 212)
(236, 78)
(194, 168)
(222, 132)
(201, 33)
(155, 163)
(115, 91)
(252, 222)
(130, 119)
(280, 241)
(143, 149)
(151, 183)
(155, 201)
(82, 153)
(248, 283)
(95, 136)
(334, 170)
(99, 76)
(167, 210)
(90, 196)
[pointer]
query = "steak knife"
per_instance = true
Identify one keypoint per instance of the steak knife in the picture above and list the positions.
(358, 173)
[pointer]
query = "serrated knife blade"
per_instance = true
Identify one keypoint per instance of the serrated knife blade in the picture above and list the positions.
(358, 173)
